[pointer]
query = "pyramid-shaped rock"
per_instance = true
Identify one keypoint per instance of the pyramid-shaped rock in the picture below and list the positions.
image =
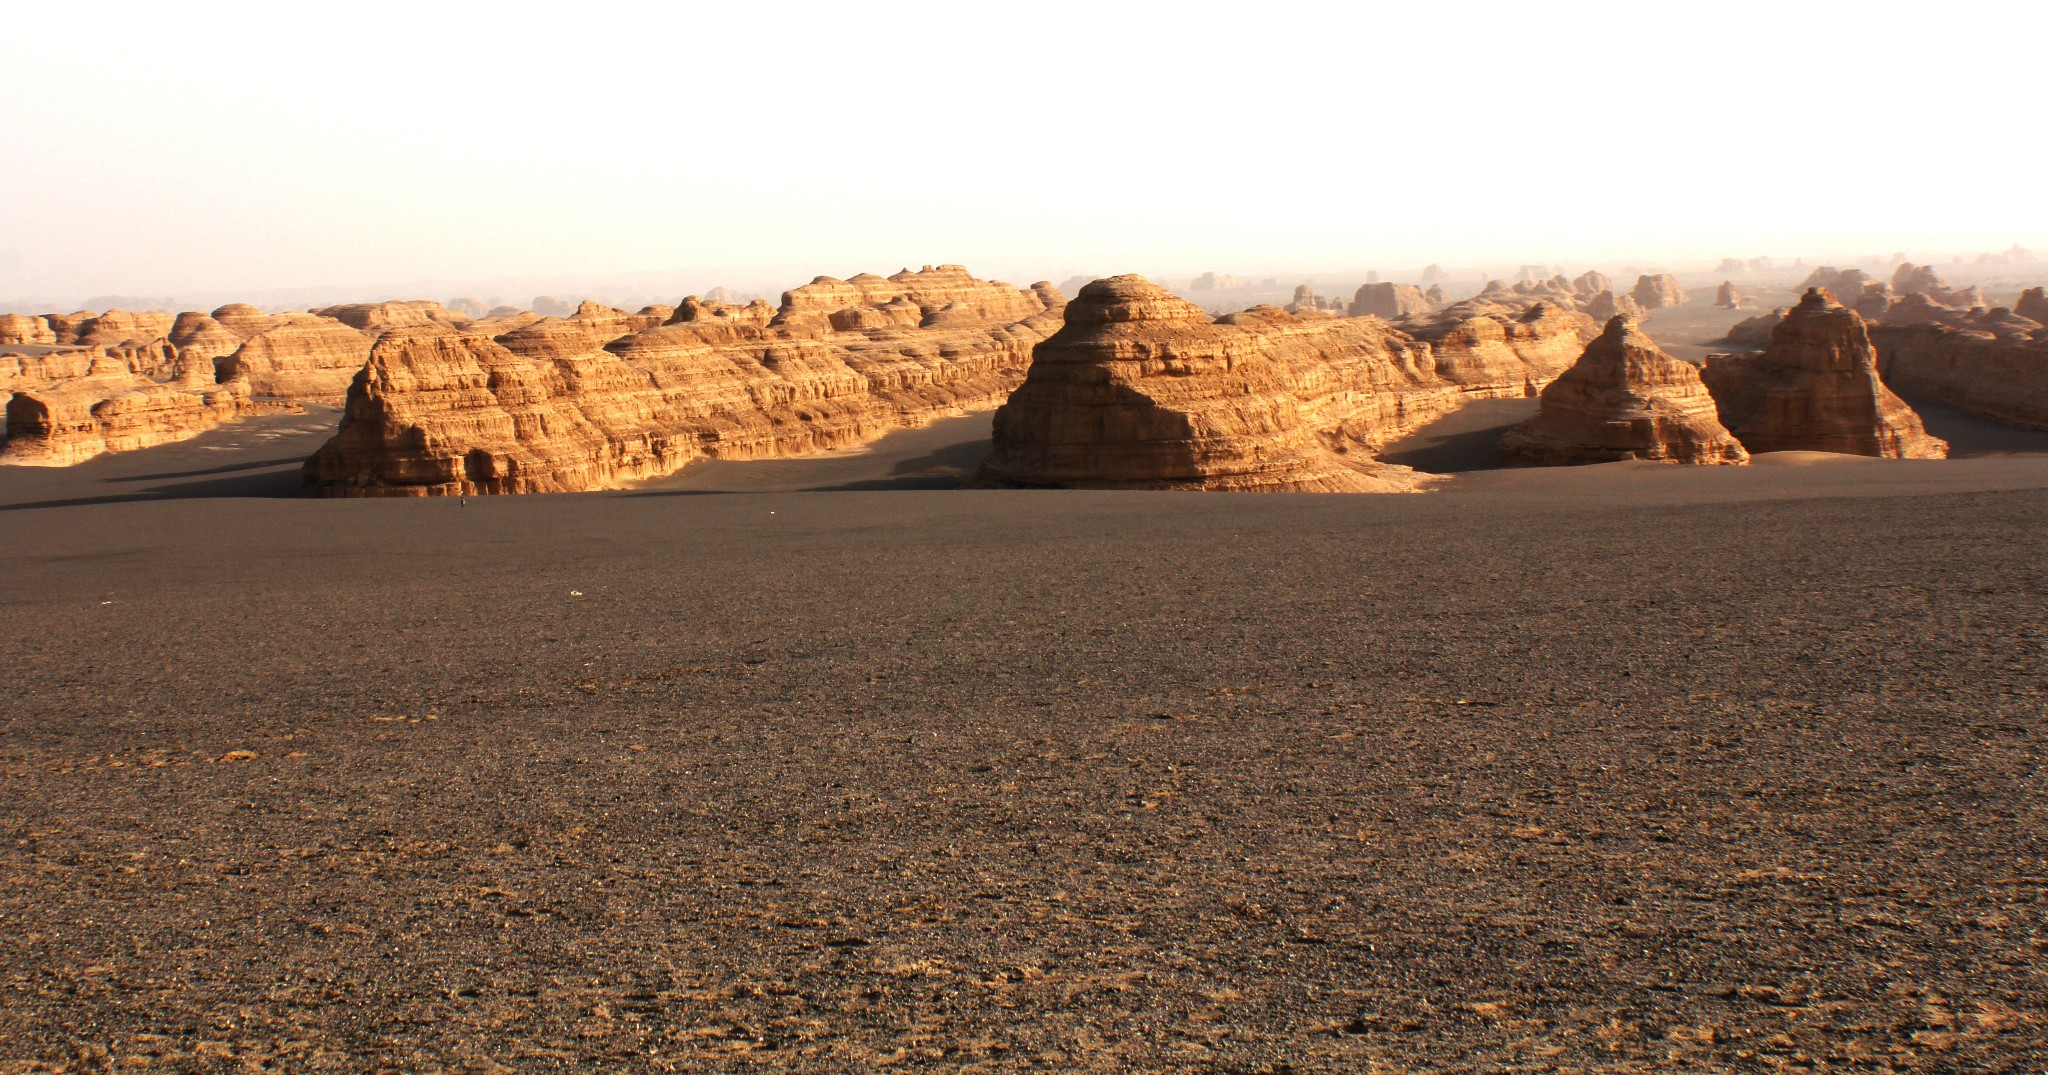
(1815, 388)
(1624, 399)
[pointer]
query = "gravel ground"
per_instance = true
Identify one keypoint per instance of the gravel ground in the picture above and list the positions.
(1610, 769)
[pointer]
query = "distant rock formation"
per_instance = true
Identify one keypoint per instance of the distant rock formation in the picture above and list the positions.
(1590, 283)
(1728, 296)
(1655, 292)
(1435, 295)
(1433, 274)
(1815, 387)
(1624, 399)
(1910, 279)
(1209, 281)
(440, 411)
(552, 306)
(2033, 305)
(1846, 285)
(1992, 363)
(1305, 300)
(1604, 307)
(383, 316)
(1141, 390)
(1390, 301)
(1761, 264)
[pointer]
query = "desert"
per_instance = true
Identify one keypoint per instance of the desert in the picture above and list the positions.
(1366, 539)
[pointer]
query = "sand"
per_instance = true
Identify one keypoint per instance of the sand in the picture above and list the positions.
(1617, 768)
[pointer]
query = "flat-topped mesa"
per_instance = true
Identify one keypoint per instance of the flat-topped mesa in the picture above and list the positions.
(1141, 390)
(304, 356)
(1624, 399)
(590, 328)
(1390, 301)
(438, 411)
(1655, 292)
(376, 317)
(906, 300)
(1815, 387)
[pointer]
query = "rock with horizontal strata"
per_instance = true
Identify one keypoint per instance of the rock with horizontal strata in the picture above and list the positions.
(1624, 399)
(26, 329)
(1815, 387)
(304, 357)
(69, 421)
(1141, 390)
(1991, 363)
(438, 411)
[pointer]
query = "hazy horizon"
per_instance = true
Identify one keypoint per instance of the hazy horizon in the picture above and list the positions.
(206, 153)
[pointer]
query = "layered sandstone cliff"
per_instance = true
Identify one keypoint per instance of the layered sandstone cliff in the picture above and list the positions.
(301, 356)
(71, 420)
(439, 411)
(1992, 363)
(1815, 387)
(1141, 390)
(1624, 399)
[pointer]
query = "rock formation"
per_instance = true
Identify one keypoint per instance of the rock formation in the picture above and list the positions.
(1141, 390)
(1659, 291)
(1435, 295)
(1815, 387)
(1624, 399)
(1590, 283)
(1389, 301)
(242, 319)
(1846, 285)
(1210, 281)
(2033, 305)
(1992, 363)
(26, 329)
(301, 356)
(111, 410)
(376, 317)
(1731, 265)
(120, 326)
(1728, 296)
(441, 411)
(1604, 307)
(1304, 300)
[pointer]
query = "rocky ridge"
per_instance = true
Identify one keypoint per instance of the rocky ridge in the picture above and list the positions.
(442, 411)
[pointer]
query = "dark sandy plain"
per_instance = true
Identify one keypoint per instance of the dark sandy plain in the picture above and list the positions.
(1621, 768)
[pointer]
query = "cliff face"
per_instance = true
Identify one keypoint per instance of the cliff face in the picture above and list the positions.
(1816, 387)
(301, 356)
(107, 410)
(1141, 390)
(1992, 363)
(1659, 291)
(1624, 399)
(438, 411)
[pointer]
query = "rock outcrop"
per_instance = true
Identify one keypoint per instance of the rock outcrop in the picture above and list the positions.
(2033, 305)
(441, 411)
(1815, 387)
(1992, 363)
(1141, 390)
(1604, 307)
(1624, 399)
(304, 357)
(1728, 296)
(377, 317)
(26, 329)
(1389, 301)
(1655, 292)
(69, 421)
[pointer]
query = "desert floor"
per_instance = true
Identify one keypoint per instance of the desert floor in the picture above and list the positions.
(1606, 769)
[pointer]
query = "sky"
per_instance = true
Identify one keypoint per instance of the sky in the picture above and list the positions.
(164, 148)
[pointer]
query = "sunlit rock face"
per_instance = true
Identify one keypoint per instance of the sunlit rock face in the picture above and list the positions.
(1624, 399)
(1815, 387)
(546, 408)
